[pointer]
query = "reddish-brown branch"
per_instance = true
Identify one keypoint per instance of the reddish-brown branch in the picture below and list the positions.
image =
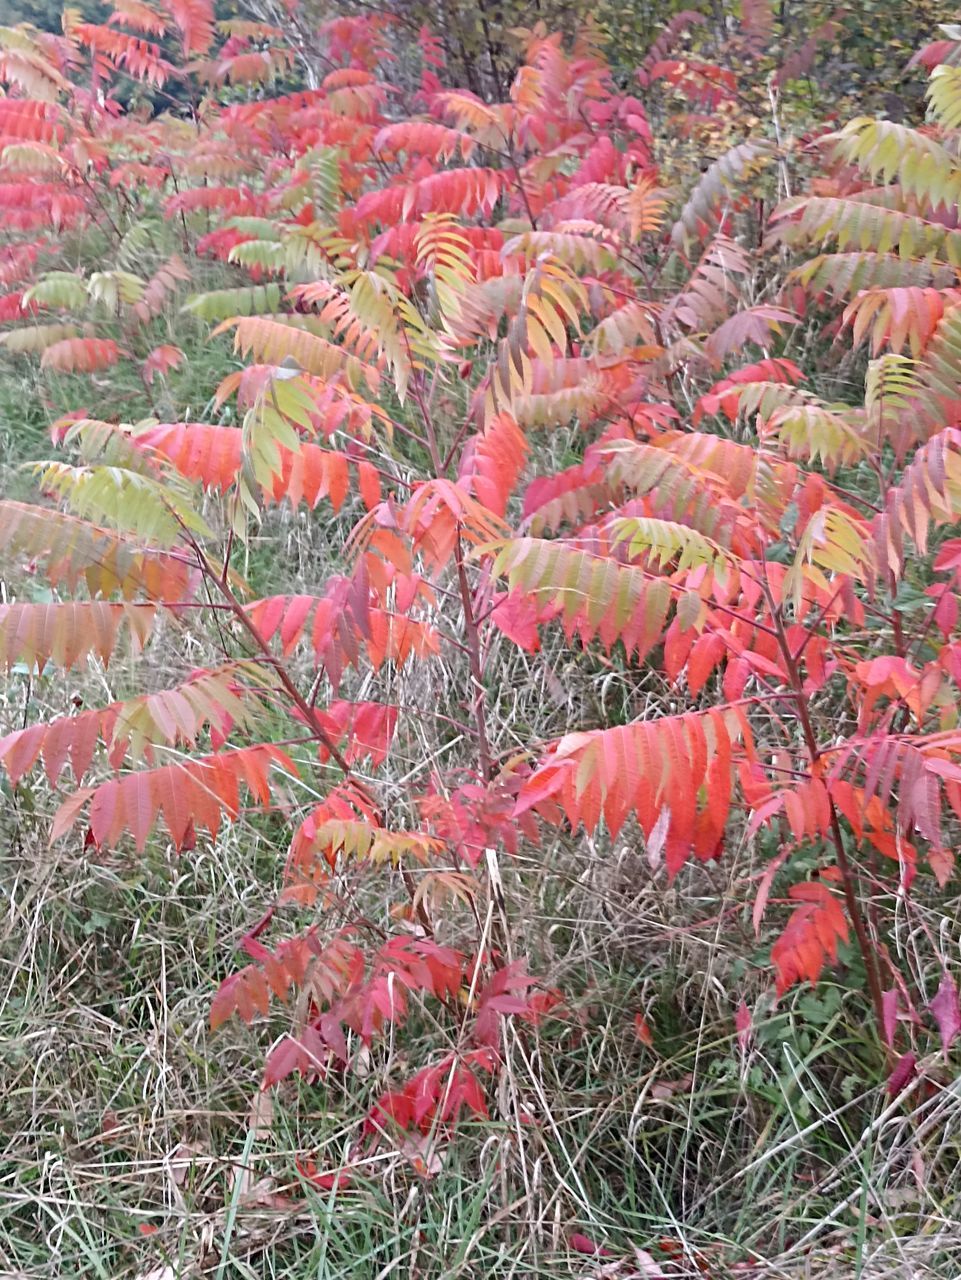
(307, 711)
(848, 879)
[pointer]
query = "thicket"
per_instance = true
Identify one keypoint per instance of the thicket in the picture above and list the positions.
(480, 609)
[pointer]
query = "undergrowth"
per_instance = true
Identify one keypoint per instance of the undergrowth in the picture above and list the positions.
(667, 1109)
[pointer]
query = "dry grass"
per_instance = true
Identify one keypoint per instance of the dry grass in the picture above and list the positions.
(135, 1144)
(122, 1113)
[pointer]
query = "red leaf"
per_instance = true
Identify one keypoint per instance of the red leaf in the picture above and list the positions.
(642, 1030)
(439, 1092)
(161, 360)
(902, 1074)
(679, 764)
(518, 617)
(368, 482)
(505, 993)
(584, 1244)
(812, 934)
(941, 862)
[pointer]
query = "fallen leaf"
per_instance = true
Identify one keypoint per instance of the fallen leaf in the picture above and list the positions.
(584, 1244)
(662, 1089)
(260, 1116)
(649, 1269)
(323, 1181)
(642, 1030)
(919, 1171)
(742, 1023)
(423, 1155)
(109, 1125)
(181, 1161)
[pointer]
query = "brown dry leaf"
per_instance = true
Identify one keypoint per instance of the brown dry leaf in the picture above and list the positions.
(180, 1161)
(643, 1267)
(423, 1155)
(555, 688)
(109, 1125)
(263, 1194)
(918, 1169)
(648, 1268)
(260, 1116)
(663, 1089)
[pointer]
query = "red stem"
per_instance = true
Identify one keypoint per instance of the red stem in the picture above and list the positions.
(848, 882)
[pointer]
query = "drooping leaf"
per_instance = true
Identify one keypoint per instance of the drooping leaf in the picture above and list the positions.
(222, 304)
(76, 551)
(678, 766)
(80, 355)
(218, 700)
(272, 342)
(187, 795)
(594, 595)
(67, 634)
